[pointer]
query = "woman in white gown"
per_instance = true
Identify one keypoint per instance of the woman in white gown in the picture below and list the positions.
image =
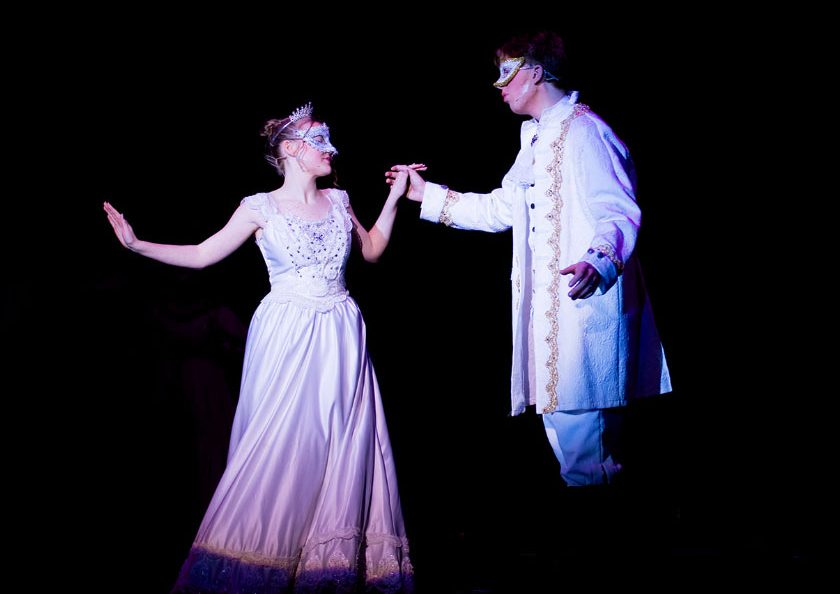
(308, 501)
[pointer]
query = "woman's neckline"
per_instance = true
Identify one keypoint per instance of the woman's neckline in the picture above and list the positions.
(288, 214)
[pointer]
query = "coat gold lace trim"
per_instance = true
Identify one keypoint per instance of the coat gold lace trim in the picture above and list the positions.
(451, 199)
(555, 170)
(609, 252)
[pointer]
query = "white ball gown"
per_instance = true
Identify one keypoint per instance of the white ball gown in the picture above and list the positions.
(308, 501)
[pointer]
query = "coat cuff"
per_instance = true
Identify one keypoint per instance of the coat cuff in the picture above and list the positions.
(434, 197)
(605, 267)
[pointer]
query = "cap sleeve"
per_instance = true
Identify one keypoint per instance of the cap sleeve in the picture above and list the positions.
(341, 197)
(258, 202)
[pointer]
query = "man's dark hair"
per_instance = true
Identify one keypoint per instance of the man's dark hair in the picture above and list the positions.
(545, 48)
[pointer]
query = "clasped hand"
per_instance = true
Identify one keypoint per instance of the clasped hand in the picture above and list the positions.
(416, 184)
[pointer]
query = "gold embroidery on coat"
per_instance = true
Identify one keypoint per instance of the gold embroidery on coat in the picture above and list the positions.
(554, 169)
(609, 252)
(445, 216)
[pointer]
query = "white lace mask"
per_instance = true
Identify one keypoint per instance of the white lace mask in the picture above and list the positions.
(318, 137)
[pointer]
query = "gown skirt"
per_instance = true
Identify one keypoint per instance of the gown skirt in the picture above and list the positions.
(308, 501)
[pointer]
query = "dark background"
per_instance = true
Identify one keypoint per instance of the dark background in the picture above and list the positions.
(159, 113)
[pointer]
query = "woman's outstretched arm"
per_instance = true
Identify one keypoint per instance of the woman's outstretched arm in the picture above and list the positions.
(242, 224)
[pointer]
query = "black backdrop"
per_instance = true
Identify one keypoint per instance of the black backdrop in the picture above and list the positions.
(159, 113)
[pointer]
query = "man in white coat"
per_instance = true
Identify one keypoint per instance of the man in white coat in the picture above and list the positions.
(585, 341)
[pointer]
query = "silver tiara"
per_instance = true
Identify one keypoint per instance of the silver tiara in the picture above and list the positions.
(301, 113)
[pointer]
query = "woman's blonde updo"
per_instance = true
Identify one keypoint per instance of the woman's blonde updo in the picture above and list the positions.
(276, 131)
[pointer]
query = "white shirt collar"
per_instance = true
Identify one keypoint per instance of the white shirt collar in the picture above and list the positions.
(560, 109)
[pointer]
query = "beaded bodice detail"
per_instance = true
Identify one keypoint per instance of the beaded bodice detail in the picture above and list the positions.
(305, 258)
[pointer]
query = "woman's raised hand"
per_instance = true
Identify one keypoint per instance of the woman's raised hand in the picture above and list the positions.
(416, 183)
(122, 229)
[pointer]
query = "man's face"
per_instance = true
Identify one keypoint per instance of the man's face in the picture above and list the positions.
(516, 83)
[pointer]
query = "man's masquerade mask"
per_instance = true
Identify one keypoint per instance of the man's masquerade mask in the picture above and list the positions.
(507, 70)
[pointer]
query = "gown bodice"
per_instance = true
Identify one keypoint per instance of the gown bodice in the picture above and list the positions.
(306, 259)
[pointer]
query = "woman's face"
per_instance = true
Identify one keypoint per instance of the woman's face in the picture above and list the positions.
(316, 135)
(313, 148)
